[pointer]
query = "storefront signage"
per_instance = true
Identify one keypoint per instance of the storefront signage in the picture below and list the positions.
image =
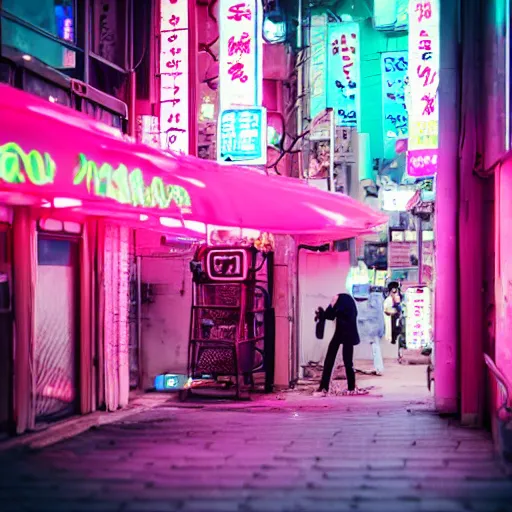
(174, 75)
(396, 200)
(423, 84)
(403, 254)
(33, 168)
(343, 73)
(417, 327)
(318, 65)
(16, 166)
(242, 136)
(394, 67)
(129, 187)
(241, 53)
(147, 131)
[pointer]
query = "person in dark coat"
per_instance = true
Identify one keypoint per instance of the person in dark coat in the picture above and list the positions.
(343, 310)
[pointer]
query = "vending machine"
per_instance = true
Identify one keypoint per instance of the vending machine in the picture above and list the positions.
(232, 332)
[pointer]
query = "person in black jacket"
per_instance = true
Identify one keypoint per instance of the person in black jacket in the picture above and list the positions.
(343, 310)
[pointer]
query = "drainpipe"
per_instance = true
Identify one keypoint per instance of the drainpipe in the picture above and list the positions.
(132, 76)
(446, 311)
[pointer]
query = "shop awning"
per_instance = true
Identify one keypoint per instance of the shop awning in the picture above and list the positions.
(53, 156)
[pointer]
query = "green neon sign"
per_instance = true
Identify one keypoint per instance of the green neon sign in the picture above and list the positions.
(128, 187)
(16, 166)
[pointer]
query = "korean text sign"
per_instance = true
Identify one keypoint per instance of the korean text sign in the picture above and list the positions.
(241, 135)
(423, 87)
(417, 328)
(241, 53)
(318, 65)
(343, 70)
(394, 66)
(174, 76)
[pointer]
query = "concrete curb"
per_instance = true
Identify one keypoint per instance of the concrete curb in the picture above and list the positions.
(73, 427)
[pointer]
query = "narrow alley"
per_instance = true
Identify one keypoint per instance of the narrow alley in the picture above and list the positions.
(292, 453)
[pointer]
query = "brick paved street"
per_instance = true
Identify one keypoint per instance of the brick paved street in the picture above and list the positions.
(345, 453)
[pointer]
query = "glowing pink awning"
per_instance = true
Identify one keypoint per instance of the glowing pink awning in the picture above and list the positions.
(49, 152)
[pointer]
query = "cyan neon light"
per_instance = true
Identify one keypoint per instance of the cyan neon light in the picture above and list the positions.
(242, 136)
(128, 187)
(16, 166)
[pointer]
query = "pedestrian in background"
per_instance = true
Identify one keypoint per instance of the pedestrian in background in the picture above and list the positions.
(370, 321)
(343, 311)
(393, 308)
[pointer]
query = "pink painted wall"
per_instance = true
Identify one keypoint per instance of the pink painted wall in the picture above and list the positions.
(321, 276)
(503, 283)
(165, 321)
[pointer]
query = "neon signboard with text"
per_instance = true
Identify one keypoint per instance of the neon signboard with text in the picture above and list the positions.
(343, 63)
(318, 65)
(17, 166)
(242, 136)
(241, 53)
(32, 171)
(227, 265)
(174, 76)
(423, 87)
(394, 67)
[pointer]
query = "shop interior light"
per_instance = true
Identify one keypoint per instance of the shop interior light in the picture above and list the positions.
(274, 24)
(75, 228)
(274, 32)
(27, 58)
(66, 202)
(53, 225)
(198, 227)
(169, 222)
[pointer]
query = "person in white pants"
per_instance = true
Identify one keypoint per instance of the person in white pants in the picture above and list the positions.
(370, 322)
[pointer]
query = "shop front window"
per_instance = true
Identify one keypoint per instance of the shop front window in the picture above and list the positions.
(109, 36)
(44, 30)
(57, 17)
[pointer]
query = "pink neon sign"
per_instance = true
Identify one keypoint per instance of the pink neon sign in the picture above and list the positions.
(423, 83)
(174, 76)
(240, 53)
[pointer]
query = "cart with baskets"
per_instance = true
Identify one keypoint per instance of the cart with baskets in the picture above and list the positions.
(231, 344)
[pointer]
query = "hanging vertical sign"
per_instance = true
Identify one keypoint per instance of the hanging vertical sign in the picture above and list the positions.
(174, 75)
(394, 66)
(241, 53)
(318, 65)
(343, 70)
(423, 85)
(418, 320)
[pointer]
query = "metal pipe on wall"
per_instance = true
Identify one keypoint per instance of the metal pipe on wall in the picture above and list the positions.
(446, 308)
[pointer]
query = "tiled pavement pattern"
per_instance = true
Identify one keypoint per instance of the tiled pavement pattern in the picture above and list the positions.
(358, 454)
